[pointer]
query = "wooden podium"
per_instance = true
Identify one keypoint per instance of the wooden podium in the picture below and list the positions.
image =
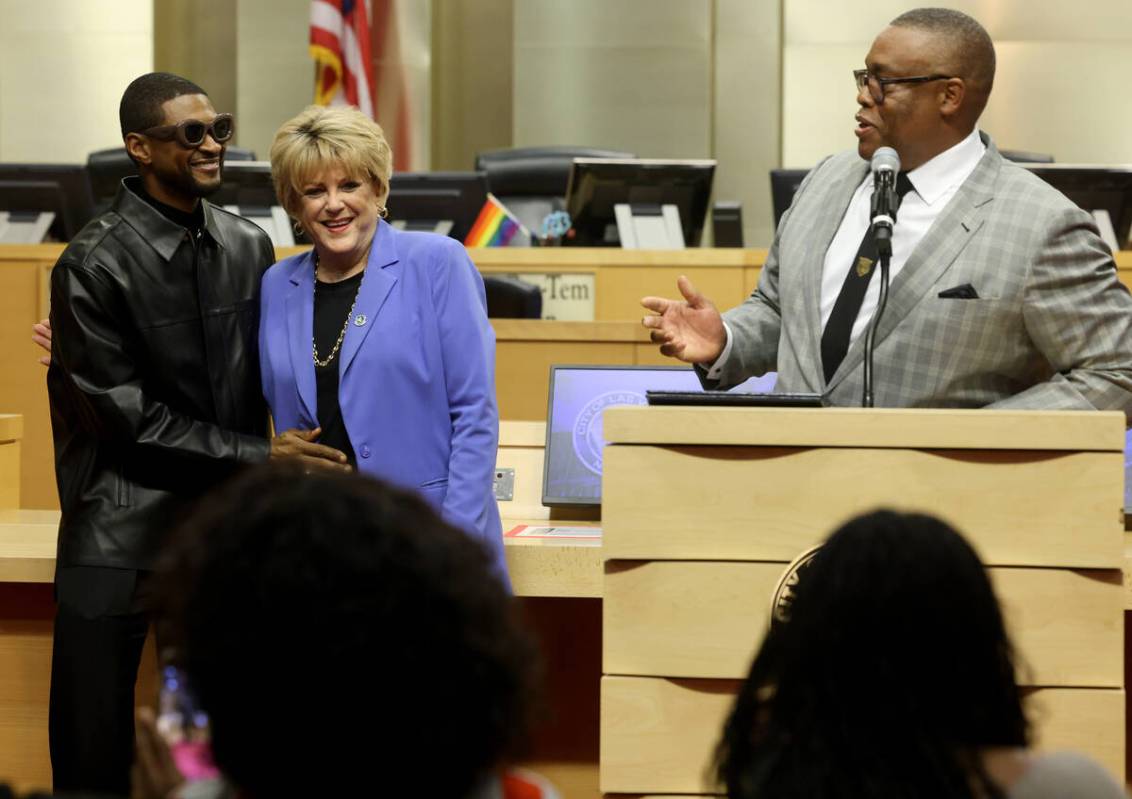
(704, 508)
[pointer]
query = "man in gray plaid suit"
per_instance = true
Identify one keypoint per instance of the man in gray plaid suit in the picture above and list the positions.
(1002, 293)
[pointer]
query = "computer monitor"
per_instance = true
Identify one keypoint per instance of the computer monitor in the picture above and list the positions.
(1094, 188)
(598, 184)
(1128, 478)
(783, 185)
(246, 188)
(441, 202)
(577, 398)
(61, 189)
(245, 184)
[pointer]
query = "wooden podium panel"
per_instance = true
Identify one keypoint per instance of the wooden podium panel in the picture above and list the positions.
(706, 618)
(770, 503)
(1082, 720)
(659, 736)
(703, 508)
(888, 428)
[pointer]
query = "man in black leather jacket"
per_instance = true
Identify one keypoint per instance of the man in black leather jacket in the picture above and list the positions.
(155, 396)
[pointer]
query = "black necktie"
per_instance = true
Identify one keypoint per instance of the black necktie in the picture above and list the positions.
(835, 338)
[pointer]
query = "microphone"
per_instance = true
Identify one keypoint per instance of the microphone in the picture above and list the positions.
(886, 165)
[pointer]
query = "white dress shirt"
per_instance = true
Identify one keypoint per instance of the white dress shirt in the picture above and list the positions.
(934, 182)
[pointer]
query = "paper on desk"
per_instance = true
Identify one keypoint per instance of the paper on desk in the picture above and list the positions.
(527, 531)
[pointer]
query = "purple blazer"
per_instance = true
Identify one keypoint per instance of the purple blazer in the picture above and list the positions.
(416, 378)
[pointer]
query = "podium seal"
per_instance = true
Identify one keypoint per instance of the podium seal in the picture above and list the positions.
(788, 584)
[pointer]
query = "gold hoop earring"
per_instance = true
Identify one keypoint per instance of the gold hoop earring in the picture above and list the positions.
(382, 211)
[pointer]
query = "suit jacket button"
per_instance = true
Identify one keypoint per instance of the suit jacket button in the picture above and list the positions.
(365, 452)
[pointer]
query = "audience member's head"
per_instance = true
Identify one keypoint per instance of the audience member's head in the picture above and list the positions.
(890, 673)
(344, 639)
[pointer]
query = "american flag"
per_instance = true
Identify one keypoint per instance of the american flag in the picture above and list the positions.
(346, 74)
(340, 47)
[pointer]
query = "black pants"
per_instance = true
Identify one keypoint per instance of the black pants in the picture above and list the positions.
(100, 630)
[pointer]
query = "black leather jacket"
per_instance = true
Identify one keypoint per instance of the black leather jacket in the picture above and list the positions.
(154, 380)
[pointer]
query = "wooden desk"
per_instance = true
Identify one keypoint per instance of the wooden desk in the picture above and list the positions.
(11, 433)
(622, 277)
(524, 350)
(24, 291)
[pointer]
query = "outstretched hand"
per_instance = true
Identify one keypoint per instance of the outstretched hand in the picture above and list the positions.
(690, 329)
(41, 335)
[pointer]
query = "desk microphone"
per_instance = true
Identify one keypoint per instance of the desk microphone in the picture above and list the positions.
(886, 165)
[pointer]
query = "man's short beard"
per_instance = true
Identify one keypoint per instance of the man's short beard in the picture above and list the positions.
(207, 191)
(188, 185)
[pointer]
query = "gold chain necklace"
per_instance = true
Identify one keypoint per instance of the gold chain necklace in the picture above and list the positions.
(341, 335)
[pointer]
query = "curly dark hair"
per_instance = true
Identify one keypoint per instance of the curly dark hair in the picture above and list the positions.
(892, 672)
(344, 639)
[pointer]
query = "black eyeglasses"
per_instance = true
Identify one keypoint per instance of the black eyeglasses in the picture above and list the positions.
(863, 78)
(191, 132)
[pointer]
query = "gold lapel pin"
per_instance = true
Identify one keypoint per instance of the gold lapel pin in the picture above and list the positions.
(864, 266)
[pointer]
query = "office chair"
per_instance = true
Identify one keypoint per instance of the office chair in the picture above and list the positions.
(1024, 157)
(511, 298)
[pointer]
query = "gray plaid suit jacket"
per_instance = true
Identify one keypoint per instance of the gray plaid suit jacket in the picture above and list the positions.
(1051, 328)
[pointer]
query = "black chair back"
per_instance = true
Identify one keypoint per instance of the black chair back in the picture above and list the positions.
(535, 171)
(511, 298)
(1024, 157)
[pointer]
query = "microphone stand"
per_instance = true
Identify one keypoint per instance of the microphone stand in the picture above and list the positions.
(882, 233)
(870, 335)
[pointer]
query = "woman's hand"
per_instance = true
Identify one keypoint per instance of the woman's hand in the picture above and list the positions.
(154, 774)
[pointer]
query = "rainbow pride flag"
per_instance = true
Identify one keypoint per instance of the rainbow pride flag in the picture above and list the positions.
(494, 227)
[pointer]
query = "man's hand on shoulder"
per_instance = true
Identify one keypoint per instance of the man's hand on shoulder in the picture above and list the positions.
(300, 445)
(690, 329)
(41, 335)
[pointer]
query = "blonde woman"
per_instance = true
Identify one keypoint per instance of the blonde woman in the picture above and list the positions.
(377, 340)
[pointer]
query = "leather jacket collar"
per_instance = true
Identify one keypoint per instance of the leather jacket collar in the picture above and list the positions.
(164, 235)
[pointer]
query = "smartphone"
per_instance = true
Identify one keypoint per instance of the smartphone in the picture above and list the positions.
(184, 726)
